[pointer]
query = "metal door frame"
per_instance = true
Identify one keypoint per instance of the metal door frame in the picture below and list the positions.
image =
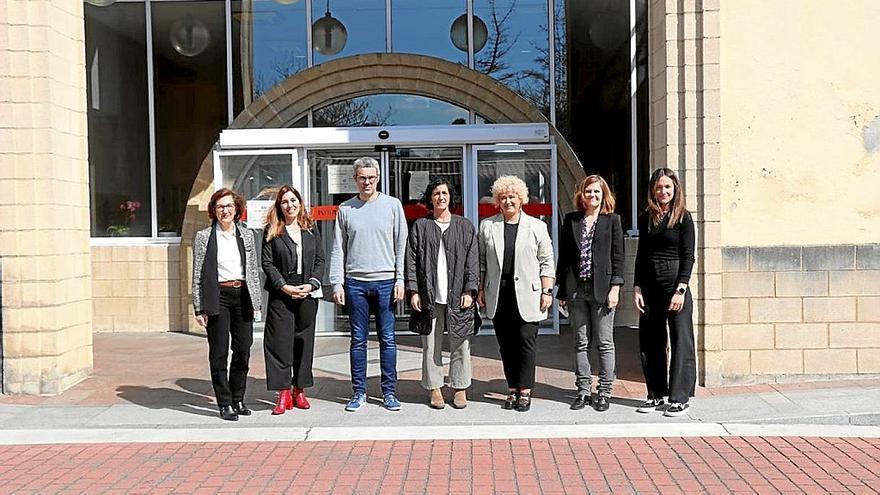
(554, 203)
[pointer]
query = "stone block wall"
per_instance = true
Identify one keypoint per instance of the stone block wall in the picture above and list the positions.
(791, 313)
(44, 198)
(137, 288)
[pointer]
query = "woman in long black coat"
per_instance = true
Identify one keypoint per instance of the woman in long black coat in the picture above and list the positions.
(293, 259)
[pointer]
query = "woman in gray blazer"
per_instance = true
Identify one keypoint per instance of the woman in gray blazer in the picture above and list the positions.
(226, 293)
(517, 270)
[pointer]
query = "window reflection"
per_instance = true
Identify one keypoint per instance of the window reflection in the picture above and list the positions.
(424, 28)
(363, 22)
(517, 52)
(190, 98)
(389, 109)
(268, 45)
(119, 158)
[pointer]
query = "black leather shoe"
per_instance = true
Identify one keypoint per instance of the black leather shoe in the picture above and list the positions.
(524, 403)
(510, 401)
(227, 413)
(581, 402)
(602, 403)
(241, 409)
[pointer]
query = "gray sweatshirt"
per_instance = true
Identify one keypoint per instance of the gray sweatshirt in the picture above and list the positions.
(369, 241)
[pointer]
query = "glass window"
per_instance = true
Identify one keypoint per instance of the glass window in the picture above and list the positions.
(119, 155)
(425, 28)
(189, 50)
(598, 106)
(530, 165)
(389, 109)
(268, 45)
(516, 51)
(347, 27)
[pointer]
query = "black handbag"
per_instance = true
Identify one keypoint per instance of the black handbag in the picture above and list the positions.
(420, 321)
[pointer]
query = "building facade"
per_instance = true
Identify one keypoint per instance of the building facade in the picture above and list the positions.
(119, 118)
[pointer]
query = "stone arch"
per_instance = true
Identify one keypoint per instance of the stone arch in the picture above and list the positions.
(370, 74)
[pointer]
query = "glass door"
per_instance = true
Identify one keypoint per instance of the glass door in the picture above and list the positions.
(536, 166)
(330, 182)
(257, 175)
(410, 171)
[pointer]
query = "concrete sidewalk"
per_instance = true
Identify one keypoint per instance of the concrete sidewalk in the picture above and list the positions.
(155, 387)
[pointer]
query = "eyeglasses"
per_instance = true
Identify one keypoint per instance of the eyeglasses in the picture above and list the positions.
(367, 179)
(224, 207)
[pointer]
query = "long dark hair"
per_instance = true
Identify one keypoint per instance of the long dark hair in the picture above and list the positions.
(434, 183)
(677, 209)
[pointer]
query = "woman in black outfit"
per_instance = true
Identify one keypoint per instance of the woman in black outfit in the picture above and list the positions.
(293, 259)
(664, 262)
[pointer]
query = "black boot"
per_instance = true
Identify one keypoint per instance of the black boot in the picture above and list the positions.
(227, 413)
(240, 408)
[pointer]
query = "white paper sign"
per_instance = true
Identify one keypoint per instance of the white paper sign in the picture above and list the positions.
(340, 180)
(418, 181)
(256, 212)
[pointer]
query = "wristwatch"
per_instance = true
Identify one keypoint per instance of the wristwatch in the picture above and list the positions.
(548, 291)
(681, 290)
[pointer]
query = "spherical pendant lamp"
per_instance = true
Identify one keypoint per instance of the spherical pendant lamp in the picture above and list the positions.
(189, 37)
(458, 33)
(101, 3)
(328, 34)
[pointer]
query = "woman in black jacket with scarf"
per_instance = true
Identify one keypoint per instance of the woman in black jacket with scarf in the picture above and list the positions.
(442, 276)
(589, 274)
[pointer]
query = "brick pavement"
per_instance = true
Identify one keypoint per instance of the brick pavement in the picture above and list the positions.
(627, 465)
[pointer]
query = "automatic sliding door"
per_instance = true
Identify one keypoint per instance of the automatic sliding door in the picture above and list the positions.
(257, 176)
(536, 166)
(410, 170)
(331, 181)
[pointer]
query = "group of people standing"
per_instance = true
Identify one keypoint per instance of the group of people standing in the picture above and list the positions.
(446, 269)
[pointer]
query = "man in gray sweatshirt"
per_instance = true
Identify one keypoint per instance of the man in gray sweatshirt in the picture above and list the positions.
(366, 272)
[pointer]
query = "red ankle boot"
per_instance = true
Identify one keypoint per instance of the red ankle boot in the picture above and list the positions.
(299, 398)
(283, 401)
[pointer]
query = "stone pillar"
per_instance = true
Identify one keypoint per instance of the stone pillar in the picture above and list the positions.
(685, 127)
(44, 197)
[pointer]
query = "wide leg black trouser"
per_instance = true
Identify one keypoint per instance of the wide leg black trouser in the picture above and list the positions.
(289, 342)
(678, 380)
(234, 323)
(517, 341)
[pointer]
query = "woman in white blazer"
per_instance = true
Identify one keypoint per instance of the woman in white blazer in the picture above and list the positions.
(516, 284)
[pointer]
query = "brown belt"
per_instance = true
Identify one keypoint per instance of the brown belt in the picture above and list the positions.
(235, 284)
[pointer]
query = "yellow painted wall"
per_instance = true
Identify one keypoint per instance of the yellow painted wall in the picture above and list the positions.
(800, 107)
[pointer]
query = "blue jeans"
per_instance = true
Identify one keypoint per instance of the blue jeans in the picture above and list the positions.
(363, 298)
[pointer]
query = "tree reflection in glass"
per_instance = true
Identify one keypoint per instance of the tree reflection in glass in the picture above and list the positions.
(517, 53)
(389, 109)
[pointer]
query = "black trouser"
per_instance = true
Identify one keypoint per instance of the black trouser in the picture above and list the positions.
(679, 379)
(517, 340)
(236, 320)
(289, 342)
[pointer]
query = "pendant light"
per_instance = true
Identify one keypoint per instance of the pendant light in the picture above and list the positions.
(458, 33)
(189, 37)
(328, 34)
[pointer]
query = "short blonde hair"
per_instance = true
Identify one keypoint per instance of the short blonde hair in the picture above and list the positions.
(509, 183)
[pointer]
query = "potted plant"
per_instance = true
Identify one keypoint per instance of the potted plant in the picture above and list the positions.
(126, 215)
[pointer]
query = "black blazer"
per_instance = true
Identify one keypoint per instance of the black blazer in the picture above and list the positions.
(607, 255)
(278, 263)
